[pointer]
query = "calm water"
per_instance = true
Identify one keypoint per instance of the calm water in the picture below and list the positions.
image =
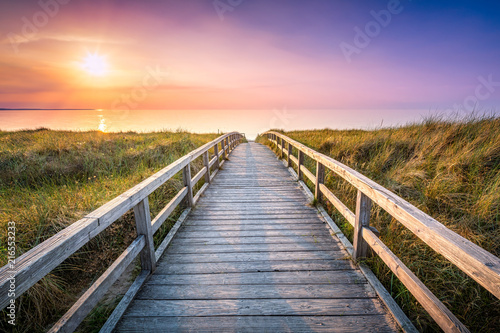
(250, 122)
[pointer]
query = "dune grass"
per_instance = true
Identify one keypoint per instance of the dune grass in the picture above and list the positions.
(448, 169)
(50, 179)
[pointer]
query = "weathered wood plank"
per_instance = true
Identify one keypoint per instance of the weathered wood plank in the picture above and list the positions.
(250, 248)
(250, 324)
(234, 220)
(266, 291)
(343, 209)
(255, 266)
(253, 240)
(198, 176)
(256, 233)
(169, 208)
(254, 227)
(305, 218)
(248, 307)
(271, 256)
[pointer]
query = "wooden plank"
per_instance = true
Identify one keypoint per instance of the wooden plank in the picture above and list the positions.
(169, 208)
(257, 233)
(346, 212)
(263, 201)
(476, 262)
(245, 206)
(305, 217)
(341, 324)
(271, 256)
(70, 321)
(309, 175)
(238, 222)
(250, 248)
(254, 227)
(253, 240)
(255, 266)
(252, 307)
(125, 302)
(266, 291)
(198, 176)
(166, 242)
(438, 311)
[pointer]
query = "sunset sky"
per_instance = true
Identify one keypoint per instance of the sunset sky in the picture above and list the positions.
(250, 54)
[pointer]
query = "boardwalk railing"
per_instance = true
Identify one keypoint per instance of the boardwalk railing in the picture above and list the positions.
(479, 264)
(35, 264)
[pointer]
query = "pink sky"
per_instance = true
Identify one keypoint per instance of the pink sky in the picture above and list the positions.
(263, 55)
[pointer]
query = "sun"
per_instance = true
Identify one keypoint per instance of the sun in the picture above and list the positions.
(95, 64)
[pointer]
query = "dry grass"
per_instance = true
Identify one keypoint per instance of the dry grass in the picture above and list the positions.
(50, 179)
(449, 170)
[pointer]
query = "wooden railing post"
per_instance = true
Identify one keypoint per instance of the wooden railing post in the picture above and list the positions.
(206, 163)
(186, 177)
(281, 148)
(300, 159)
(223, 148)
(363, 208)
(144, 227)
(320, 179)
(216, 152)
(289, 158)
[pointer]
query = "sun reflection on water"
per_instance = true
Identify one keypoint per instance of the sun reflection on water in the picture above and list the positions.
(102, 124)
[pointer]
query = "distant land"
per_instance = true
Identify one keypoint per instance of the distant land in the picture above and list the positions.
(28, 109)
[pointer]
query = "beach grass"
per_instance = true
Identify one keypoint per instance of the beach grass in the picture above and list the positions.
(448, 169)
(50, 179)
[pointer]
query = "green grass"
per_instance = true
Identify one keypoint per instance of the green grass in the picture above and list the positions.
(448, 169)
(50, 179)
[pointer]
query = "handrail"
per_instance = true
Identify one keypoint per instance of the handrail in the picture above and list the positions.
(35, 264)
(473, 260)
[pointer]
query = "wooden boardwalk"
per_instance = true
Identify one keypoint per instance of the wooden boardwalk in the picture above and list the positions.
(254, 256)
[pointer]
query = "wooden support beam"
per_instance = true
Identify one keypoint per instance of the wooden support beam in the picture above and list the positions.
(363, 209)
(281, 148)
(300, 162)
(223, 149)
(186, 177)
(216, 153)
(320, 179)
(206, 163)
(144, 227)
(289, 157)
